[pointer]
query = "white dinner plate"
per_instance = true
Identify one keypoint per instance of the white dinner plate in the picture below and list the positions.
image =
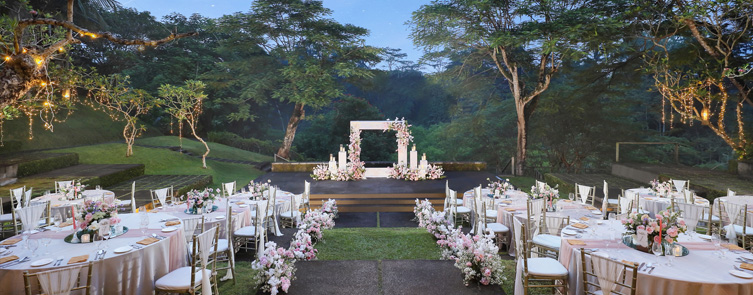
(746, 257)
(740, 274)
(169, 229)
(600, 222)
(41, 262)
(242, 205)
(569, 232)
(597, 212)
(220, 217)
(123, 249)
(705, 237)
(159, 208)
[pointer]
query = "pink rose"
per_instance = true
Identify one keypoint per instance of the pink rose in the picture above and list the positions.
(285, 284)
(672, 231)
(468, 264)
(640, 227)
(484, 281)
(487, 272)
(657, 239)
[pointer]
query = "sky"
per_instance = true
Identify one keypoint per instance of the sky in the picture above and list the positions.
(385, 19)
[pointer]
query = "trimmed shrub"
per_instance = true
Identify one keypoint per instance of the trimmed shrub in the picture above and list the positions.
(46, 163)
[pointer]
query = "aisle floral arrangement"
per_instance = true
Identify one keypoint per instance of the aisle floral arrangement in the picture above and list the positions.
(477, 256)
(330, 206)
(93, 214)
(74, 191)
(257, 189)
(661, 188)
(666, 227)
(275, 267)
(199, 202)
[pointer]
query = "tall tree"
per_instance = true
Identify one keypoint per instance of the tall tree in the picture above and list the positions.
(314, 52)
(31, 47)
(525, 41)
(185, 103)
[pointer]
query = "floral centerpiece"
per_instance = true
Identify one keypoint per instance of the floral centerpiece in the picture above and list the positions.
(402, 128)
(664, 228)
(313, 223)
(476, 256)
(74, 191)
(547, 193)
(330, 206)
(199, 202)
(275, 269)
(93, 214)
(257, 189)
(661, 188)
(499, 186)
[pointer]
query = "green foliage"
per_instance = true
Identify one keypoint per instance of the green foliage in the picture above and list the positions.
(377, 244)
(117, 177)
(219, 150)
(30, 164)
(263, 147)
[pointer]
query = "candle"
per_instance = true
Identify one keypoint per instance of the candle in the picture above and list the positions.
(414, 148)
(73, 213)
(85, 238)
(342, 159)
(423, 158)
(413, 158)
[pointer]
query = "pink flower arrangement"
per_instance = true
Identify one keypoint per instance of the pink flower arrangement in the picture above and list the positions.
(92, 214)
(257, 189)
(403, 172)
(354, 169)
(275, 268)
(667, 225)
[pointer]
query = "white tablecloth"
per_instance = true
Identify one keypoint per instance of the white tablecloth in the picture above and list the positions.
(132, 272)
(282, 205)
(654, 204)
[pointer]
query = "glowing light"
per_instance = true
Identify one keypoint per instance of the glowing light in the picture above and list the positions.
(38, 60)
(46, 103)
(24, 51)
(61, 49)
(44, 83)
(67, 93)
(705, 114)
(7, 58)
(94, 36)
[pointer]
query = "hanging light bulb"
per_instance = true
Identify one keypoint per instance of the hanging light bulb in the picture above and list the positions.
(7, 58)
(67, 93)
(705, 114)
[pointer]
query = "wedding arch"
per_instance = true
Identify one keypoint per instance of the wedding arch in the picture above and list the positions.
(403, 139)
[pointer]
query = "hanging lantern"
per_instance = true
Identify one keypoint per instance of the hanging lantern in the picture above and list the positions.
(67, 93)
(705, 114)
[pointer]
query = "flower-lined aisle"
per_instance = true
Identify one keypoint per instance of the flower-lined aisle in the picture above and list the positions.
(475, 255)
(276, 266)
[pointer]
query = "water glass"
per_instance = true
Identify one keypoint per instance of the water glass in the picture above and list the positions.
(46, 243)
(571, 196)
(33, 245)
(144, 223)
(656, 248)
(670, 256)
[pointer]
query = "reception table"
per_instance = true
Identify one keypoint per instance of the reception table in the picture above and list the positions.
(652, 203)
(62, 205)
(132, 272)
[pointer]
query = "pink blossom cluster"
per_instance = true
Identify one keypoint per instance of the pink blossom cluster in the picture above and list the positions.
(661, 188)
(402, 128)
(502, 186)
(313, 223)
(330, 206)
(354, 170)
(303, 247)
(74, 191)
(257, 189)
(92, 214)
(666, 226)
(196, 199)
(275, 268)
(405, 173)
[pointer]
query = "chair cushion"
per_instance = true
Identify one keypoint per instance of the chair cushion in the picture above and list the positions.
(462, 210)
(459, 202)
(497, 227)
(246, 231)
(491, 213)
(221, 245)
(288, 214)
(548, 241)
(180, 279)
(545, 266)
(613, 202)
(8, 217)
(739, 230)
(705, 217)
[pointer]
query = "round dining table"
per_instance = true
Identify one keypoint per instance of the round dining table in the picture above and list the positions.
(62, 205)
(131, 272)
(705, 270)
(652, 203)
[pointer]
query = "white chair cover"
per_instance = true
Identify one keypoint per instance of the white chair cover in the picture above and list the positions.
(162, 195)
(731, 193)
(553, 225)
(518, 226)
(229, 188)
(584, 192)
(605, 201)
(189, 227)
(635, 198)
(133, 197)
(608, 272)
(27, 197)
(59, 281)
(30, 215)
(691, 213)
(540, 185)
(733, 210)
(688, 196)
(206, 243)
(63, 184)
(229, 229)
(537, 206)
(18, 193)
(624, 205)
(679, 184)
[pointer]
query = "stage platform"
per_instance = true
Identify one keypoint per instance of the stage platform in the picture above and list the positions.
(377, 194)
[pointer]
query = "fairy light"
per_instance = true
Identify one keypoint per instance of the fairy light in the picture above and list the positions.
(93, 35)
(23, 51)
(7, 58)
(67, 93)
(38, 60)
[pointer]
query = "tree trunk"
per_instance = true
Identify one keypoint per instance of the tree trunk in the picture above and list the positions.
(204, 156)
(129, 138)
(16, 78)
(287, 142)
(522, 143)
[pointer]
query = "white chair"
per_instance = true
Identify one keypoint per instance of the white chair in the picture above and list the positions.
(225, 249)
(548, 239)
(499, 230)
(626, 205)
(635, 198)
(546, 270)
(255, 232)
(459, 211)
(201, 275)
(612, 276)
(27, 197)
(228, 189)
(59, 281)
(691, 213)
(160, 197)
(292, 216)
(133, 197)
(681, 185)
(585, 194)
(738, 218)
(30, 216)
(608, 205)
(189, 228)
(62, 185)
(306, 201)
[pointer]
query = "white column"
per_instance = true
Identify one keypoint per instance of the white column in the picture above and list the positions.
(413, 158)
(402, 155)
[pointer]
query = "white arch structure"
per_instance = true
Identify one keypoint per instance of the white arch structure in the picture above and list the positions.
(402, 151)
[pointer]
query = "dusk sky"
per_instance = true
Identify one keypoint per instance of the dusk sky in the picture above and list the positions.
(385, 19)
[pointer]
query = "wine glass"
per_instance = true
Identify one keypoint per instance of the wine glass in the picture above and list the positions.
(104, 234)
(717, 240)
(57, 220)
(33, 245)
(571, 196)
(144, 223)
(46, 242)
(656, 248)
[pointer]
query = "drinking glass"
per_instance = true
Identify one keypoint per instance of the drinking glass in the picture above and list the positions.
(656, 248)
(717, 240)
(670, 256)
(58, 220)
(33, 246)
(46, 244)
(144, 223)
(571, 196)
(104, 234)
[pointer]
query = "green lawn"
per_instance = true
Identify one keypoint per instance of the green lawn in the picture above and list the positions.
(377, 244)
(216, 150)
(164, 162)
(523, 182)
(243, 280)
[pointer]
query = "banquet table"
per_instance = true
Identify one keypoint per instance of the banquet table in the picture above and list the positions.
(652, 203)
(515, 206)
(132, 272)
(63, 206)
(217, 217)
(702, 271)
(739, 200)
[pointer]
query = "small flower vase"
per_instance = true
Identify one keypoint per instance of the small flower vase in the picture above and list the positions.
(199, 210)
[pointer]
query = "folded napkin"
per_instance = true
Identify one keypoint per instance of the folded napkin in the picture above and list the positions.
(747, 266)
(507, 202)
(78, 259)
(580, 226)
(733, 247)
(240, 203)
(56, 205)
(649, 199)
(568, 201)
(148, 241)
(67, 223)
(590, 207)
(629, 262)
(584, 218)
(511, 209)
(574, 242)
(8, 259)
(10, 241)
(171, 223)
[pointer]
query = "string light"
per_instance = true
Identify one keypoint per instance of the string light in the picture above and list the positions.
(61, 49)
(7, 58)
(94, 36)
(38, 60)
(24, 51)
(67, 93)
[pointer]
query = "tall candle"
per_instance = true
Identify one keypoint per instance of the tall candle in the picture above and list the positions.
(341, 157)
(332, 164)
(413, 158)
(73, 213)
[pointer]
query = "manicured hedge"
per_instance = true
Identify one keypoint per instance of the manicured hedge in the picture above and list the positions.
(201, 183)
(250, 144)
(44, 164)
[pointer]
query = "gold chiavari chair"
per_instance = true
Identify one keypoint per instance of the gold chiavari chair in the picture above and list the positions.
(619, 277)
(32, 280)
(546, 272)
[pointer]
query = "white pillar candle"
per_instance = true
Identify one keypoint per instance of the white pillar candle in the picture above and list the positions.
(413, 158)
(423, 167)
(402, 155)
(332, 164)
(341, 158)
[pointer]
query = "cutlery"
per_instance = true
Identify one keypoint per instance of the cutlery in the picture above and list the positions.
(169, 219)
(641, 266)
(99, 253)
(58, 261)
(14, 262)
(103, 254)
(652, 269)
(158, 237)
(135, 246)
